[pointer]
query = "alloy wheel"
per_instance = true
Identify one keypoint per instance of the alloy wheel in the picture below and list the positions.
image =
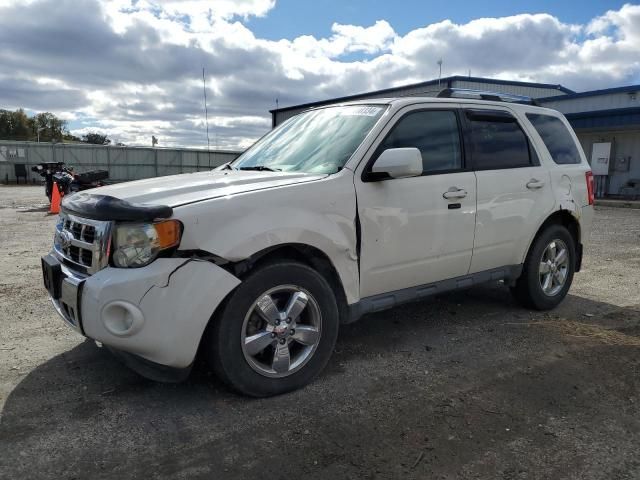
(554, 267)
(281, 331)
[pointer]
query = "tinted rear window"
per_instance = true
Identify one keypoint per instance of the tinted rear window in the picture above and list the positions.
(556, 137)
(498, 144)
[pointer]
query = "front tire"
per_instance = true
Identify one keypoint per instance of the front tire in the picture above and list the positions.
(276, 331)
(548, 270)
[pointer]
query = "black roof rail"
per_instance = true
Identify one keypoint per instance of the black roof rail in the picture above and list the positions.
(483, 95)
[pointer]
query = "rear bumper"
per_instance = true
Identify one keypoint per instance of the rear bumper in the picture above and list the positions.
(157, 313)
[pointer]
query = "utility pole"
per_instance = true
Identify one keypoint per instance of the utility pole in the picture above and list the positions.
(206, 115)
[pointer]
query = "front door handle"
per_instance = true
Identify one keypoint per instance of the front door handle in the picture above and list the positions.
(534, 184)
(454, 192)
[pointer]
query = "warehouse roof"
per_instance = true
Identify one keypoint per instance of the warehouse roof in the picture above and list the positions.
(444, 82)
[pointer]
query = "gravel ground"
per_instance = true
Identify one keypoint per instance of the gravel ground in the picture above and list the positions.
(467, 385)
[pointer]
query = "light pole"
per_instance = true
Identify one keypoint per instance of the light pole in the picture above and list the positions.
(440, 72)
(41, 128)
(206, 119)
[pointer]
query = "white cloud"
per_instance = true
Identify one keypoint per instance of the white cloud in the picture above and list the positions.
(345, 39)
(133, 68)
(216, 8)
(613, 45)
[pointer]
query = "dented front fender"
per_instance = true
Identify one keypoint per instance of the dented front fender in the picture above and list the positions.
(320, 214)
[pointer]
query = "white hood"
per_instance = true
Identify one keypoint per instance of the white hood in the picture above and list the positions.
(177, 190)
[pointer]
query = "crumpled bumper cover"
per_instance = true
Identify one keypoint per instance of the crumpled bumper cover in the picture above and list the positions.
(158, 312)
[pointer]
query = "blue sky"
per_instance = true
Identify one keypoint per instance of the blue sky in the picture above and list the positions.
(292, 18)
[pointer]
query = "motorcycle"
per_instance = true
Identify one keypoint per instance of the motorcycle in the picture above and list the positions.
(66, 179)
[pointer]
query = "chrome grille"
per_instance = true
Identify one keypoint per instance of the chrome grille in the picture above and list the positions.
(82, 242)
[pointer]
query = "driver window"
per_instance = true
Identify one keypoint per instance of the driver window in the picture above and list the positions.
(434, 133)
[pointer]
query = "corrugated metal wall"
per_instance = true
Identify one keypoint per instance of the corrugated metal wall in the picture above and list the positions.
(286, 115)
(123, 163)
(594, 103)
(624, 144)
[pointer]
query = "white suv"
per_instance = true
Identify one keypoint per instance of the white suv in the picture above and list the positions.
(341, 211)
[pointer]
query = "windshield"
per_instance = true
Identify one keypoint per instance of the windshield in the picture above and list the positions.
(317, 141)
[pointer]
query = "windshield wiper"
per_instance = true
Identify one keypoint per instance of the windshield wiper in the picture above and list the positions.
(261, 168)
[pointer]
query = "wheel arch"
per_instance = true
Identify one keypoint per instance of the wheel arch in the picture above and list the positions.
(308, 255)
(570, 221)
(302, 253)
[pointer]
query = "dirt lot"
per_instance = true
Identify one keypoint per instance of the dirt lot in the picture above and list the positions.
(468, 385)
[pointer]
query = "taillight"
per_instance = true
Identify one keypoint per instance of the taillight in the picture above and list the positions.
(590, 190)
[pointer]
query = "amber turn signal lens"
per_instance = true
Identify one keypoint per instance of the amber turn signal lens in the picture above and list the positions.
(168, 233)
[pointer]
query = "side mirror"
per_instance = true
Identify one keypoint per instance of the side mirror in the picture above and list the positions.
(398, 163)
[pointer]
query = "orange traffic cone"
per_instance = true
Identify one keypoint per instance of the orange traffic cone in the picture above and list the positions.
(55, 199)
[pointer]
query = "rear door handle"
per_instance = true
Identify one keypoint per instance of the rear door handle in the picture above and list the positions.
(534, 184)
(454, 192)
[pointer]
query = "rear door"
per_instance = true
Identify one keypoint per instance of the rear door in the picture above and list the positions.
(563, 148)
(514, 190)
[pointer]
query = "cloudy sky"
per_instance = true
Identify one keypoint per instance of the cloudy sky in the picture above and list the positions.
(133, 68)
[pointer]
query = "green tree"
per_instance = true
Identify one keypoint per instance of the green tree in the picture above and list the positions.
(15, 125)
(6, 128)
(50, 126)
(68, 137)
(18, 125)
(96, 138)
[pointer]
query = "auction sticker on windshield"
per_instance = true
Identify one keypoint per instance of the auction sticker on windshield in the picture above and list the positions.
(366, 111)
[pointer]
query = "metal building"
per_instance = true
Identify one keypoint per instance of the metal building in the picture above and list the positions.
(431, 89)
(607, 122)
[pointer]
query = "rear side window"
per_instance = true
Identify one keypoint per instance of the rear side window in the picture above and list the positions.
(435, 133)
(498, 143)
(556, 137)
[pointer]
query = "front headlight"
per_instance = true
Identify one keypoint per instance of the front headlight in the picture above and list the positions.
(139, 244)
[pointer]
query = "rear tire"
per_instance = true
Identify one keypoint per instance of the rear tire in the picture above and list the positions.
(548, 269)
(276, 332)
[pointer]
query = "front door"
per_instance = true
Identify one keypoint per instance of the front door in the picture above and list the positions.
(418, 230)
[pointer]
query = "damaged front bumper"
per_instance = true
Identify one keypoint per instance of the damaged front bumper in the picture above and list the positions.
(152, 315)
